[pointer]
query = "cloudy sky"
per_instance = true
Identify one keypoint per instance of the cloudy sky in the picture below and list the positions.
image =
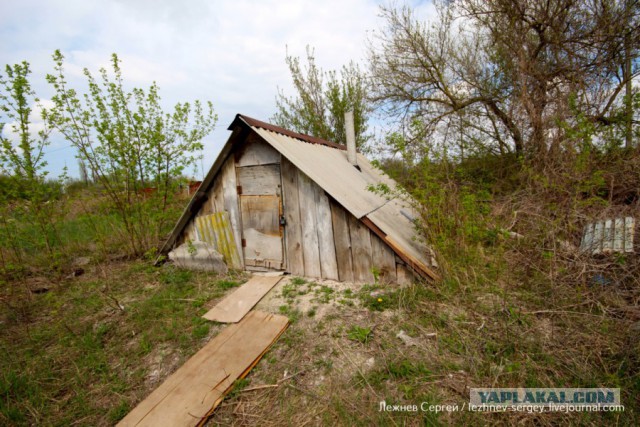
(230, 52)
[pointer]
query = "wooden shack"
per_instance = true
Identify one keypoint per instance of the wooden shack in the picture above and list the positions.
(280, 200)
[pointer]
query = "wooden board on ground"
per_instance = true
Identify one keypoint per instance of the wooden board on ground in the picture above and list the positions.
(192, 393)
(236, 305)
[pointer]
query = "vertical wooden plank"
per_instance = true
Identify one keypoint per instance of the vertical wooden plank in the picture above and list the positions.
(293, 229)
(384, 260)
(230, 196)
(342, 242)
(618, 239)
(308, 219)
(328, 263)
(607, 241)
(361, 250)
(216, 195)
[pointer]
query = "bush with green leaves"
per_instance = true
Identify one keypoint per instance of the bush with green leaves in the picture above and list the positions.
(136, 152)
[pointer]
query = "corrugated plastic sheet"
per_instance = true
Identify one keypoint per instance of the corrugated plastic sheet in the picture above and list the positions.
(609, 235)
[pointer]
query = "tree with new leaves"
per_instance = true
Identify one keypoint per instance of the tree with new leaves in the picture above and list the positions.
(506, 73)
(131, 146)
(26, 193)
(321, 100)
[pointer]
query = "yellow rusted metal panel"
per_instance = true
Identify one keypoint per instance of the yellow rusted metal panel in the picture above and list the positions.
(216, 230)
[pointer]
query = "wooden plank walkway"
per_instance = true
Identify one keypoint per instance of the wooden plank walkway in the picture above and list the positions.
(236, 305)
(193, 392)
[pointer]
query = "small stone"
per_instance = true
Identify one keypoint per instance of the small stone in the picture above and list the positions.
(406, 339)
(80, 261)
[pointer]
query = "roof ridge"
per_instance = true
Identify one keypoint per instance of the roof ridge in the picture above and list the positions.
(301, 136)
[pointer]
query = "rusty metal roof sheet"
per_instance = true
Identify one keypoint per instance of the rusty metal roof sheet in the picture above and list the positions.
(277, 129)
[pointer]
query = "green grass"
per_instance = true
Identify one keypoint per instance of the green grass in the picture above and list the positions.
(71, 354)
(323, 294)
(359, 334)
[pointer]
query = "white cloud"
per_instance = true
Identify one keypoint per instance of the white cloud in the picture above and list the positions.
(229, 52)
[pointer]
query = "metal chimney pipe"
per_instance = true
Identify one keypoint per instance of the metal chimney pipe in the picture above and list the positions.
(351, 138)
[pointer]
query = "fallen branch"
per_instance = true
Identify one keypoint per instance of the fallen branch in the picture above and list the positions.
(561, 308)
(264, 386)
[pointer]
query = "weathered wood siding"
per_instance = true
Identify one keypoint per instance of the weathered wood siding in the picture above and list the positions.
(328, 262)
(342, 240)
(321, 239)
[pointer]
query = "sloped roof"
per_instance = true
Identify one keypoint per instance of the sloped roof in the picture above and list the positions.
(326, 164)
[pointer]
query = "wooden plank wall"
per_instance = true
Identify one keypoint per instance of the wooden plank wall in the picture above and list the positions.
(323, 240)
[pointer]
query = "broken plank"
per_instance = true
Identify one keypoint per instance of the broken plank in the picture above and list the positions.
(191, 394)
(237, 304)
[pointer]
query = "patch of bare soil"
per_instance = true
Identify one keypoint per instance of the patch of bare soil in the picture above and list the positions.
(333, 359)
(315, 298)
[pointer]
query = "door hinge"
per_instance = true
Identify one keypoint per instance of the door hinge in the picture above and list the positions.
(239, 188)
(244, 243)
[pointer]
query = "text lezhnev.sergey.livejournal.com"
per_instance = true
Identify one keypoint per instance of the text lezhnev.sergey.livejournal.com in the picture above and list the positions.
(532, 400)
